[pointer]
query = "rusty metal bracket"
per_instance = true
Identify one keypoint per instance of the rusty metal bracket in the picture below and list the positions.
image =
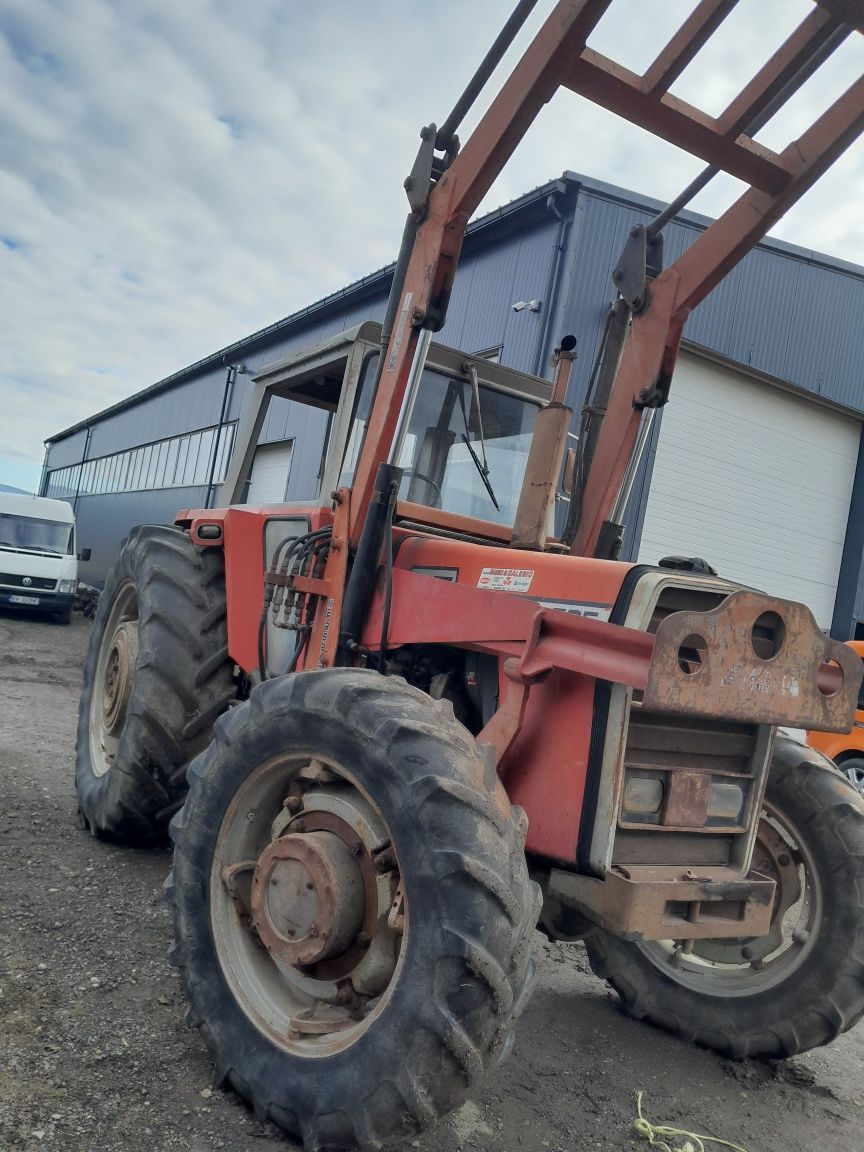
(641, 260)
(754, 658)
(658, 904)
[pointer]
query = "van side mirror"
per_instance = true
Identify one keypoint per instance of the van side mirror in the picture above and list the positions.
(85, 554)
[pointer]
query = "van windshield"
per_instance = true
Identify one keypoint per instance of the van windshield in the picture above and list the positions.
(49, 536)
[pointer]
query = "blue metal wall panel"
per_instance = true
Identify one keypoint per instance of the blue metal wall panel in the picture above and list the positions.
(68, 451)
(490, 281)
(103, 521)
(760, 311)
(780, 311)
(811, 349)
(183, 408)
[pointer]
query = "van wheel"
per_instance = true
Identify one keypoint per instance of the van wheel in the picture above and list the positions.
(157, 675)
(64, 616)
(853, 770)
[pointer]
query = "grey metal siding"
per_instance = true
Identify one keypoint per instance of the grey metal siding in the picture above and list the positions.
(795, 316)
(489, 283)
(103, 521)
(187, 406)
(70, 450)
(849, 605)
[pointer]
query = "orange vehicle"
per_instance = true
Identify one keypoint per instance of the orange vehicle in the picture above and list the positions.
(419, 718)
(846, 749)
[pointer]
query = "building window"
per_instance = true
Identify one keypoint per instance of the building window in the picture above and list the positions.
(179, 462)
(493, 355)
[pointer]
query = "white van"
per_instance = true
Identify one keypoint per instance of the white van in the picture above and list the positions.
(38, 564)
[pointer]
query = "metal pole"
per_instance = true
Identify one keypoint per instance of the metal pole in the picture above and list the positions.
(488, 65)
(645, 425)
(410, 395)
(229, 380)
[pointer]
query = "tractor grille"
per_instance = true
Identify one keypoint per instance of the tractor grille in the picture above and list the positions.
(689, 784)
(34, 583)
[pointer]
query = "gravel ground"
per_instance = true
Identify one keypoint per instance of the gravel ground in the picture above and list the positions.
(94, 1054)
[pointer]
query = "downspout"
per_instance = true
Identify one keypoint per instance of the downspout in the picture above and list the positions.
(43, 478)
(230, 377)
(81, 470)
(553, 286)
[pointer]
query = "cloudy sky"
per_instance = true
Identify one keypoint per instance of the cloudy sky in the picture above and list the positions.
(175, 174)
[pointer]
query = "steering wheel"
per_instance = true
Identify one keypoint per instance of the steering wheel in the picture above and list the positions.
(428, 480)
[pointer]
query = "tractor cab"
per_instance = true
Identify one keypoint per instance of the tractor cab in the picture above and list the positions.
(464, 446)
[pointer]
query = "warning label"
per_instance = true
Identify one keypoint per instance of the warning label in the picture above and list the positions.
(506, 579)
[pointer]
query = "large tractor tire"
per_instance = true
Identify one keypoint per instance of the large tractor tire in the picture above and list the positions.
(157, 675)
(799, 987)
(353, 916)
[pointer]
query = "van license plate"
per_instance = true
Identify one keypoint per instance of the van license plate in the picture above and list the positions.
(23, 599)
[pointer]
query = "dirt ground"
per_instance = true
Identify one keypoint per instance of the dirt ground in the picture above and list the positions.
(94, 1055)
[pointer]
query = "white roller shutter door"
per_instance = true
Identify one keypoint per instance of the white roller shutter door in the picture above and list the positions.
(755, 480)
(270, 470)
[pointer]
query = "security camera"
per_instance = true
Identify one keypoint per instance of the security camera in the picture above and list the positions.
(531, 305)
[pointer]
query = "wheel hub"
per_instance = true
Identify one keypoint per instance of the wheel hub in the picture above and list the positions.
(774, 858)
(118, 676)
(308, 897)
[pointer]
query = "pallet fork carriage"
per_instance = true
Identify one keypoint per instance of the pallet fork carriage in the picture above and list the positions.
(414, 714)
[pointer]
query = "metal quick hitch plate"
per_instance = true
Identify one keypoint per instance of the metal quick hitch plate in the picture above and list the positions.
(754, 658)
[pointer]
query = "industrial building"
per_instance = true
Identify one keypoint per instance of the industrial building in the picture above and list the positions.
(756, 464)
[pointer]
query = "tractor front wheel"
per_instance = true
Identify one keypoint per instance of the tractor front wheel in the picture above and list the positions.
(802, 985)
(352, 910)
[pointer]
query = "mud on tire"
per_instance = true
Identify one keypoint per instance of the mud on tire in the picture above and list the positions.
(821, 997)
(174, 596)
(465, 970)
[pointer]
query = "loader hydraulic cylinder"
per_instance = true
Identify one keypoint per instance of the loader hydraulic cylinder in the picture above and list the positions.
(361, 582)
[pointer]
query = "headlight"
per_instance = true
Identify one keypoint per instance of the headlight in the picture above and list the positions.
(67, 586)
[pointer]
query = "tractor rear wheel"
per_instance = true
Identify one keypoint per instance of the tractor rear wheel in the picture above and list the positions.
(802, 985)
(353, 916)
(157, 675)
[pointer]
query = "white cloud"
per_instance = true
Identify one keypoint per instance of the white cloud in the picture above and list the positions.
(174, 176)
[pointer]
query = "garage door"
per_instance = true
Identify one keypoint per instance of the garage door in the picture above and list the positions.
(270, 469)
(755, 480)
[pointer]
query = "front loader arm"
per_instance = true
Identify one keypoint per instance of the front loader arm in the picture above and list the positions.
(558, 57)
(696, 663)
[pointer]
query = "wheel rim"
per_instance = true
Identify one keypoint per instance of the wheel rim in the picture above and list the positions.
(742, 966)
(113, 679)
(854, 773)
(306, 904)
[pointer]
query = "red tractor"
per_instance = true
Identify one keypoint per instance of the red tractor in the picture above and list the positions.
(413, 721)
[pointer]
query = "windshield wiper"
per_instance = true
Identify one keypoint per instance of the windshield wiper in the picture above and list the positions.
(484, 471)
(482, 466)
(32, 547)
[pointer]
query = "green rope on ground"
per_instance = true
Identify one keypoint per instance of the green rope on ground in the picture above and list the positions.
(653, 1133)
